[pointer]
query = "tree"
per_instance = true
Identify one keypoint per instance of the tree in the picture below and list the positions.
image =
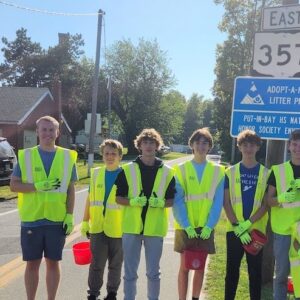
(140, 76)
(27, 64)
(234, 58)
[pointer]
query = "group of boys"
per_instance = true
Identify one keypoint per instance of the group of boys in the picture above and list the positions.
(127, 207)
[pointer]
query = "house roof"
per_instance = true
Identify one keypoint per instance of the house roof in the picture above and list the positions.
(18, 102)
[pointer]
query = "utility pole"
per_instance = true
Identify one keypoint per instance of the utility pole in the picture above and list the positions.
(95, 93)
(109, 106)
(275, 154)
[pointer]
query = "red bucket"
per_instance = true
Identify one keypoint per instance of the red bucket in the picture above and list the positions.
(258, 241)
(290, 286)
(82, 253)
(195, 259)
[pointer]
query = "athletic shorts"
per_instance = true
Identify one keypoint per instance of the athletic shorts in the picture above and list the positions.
(182, 242)
(46, 240)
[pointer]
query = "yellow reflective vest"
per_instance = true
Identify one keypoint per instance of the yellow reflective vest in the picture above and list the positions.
(199, 196)
(50, 205)
(295, 259)
(111, 222)
(283, 218)
(156, 221)
(235, 192)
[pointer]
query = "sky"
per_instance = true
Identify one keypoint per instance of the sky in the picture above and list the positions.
(186, 30)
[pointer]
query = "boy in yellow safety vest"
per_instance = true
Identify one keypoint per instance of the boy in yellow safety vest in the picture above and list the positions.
(245, 207)
(44, 179)
(102, 223)
(284, 200)
(145, 188)
(197, 207)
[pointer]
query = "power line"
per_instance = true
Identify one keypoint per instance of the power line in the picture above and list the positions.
(46, 11)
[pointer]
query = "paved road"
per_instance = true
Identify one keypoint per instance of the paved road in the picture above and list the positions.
(74, 278)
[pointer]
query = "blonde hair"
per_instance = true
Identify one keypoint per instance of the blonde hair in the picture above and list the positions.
(148, 134)
(47, 119)
(111, 143)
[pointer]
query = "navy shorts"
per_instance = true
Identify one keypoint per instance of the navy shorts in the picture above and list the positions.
(46, 240)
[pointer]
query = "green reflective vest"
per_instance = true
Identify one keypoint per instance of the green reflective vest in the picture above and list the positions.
(50, 205)
(282, 218)
(295, 259)
(110, 223)
(235, 192)
(199, 196)
(156, 221)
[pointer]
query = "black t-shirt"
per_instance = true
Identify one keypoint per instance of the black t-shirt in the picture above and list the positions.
(148, 174)
(296, 170)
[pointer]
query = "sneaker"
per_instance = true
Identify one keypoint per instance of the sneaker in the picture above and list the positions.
(92, 297)
(111, 296)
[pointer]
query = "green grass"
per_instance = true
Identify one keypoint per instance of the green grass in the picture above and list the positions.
(215, 283)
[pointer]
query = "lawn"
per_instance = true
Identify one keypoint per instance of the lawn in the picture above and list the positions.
(215, 283)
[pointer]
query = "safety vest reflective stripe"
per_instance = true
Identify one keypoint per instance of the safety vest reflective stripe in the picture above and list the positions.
(183, 173)
(28, 165)
(283, 181)
(96, 203)
(233, 197)
(161, 188)
(64, 179)
(134, 178)
(295, 263)
(196, 197)
(202, 196)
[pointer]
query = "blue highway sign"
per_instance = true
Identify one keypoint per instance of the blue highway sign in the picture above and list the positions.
(269, 106)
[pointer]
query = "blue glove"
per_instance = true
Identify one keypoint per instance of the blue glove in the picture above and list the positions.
(205, 233)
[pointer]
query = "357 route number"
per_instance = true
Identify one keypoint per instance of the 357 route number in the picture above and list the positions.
(283, 54)
(277, 54)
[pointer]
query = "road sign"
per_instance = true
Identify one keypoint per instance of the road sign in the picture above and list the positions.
(269, 106)
(277, 54)
(281, 18)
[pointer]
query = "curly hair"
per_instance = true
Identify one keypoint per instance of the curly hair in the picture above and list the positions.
(148, 134)
(111, 143)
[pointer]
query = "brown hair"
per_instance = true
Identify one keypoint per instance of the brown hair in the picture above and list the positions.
(201, 133)
(295, 135)
(47, 119)
(148, 134)
(111, 143)
(248, 136)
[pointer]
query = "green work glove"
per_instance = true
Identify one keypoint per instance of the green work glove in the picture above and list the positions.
(287, 197)
(85, 229)
(205, 233)
(156, 202)
(245, 238)
(68, 224)
(243, 227)
(47, 185)
(138, 201)
(297, 183)
(236, 230)
(191, 232)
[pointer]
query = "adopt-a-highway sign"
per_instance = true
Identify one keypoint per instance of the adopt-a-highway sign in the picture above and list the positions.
(269, 106)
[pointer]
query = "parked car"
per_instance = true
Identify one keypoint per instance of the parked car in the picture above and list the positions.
(7, 161)
(214, 158)
(164, 150)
